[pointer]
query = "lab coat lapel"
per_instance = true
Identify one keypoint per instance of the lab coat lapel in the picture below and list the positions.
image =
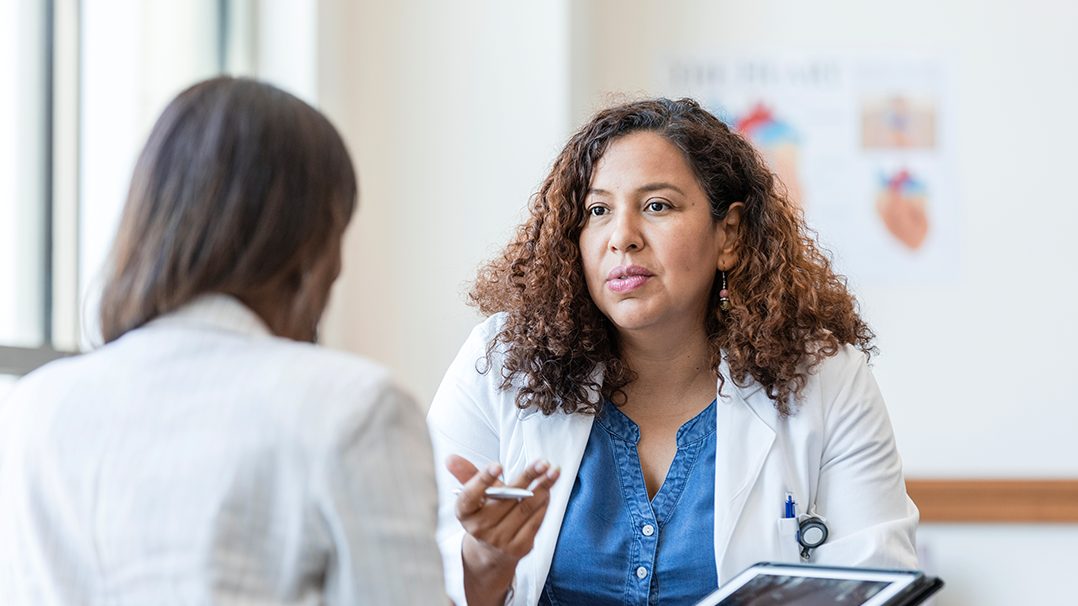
(743, 443)
(561, 439)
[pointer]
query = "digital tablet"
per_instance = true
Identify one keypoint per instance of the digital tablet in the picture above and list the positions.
(768, 584)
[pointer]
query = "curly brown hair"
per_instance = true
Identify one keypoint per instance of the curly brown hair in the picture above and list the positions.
(789, 310)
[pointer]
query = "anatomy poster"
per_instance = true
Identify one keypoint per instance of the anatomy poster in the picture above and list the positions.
(860, 143)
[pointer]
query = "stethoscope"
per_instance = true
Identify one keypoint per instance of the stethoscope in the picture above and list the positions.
(811, 533)
(811, 528)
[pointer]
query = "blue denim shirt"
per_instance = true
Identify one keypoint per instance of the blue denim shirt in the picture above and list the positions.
(616, 546)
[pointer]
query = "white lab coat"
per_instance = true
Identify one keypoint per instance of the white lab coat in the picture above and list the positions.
(836, 455)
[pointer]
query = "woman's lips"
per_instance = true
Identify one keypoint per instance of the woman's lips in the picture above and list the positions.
(626, 284)
(623, 279)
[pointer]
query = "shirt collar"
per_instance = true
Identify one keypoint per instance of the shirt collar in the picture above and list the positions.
(619, 425)
(216, 311)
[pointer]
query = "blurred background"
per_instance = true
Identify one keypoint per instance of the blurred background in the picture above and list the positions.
(930, 142)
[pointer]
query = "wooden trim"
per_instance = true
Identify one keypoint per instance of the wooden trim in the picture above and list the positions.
(995, 501)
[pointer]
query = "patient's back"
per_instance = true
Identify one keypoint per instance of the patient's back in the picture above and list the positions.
(201, 460)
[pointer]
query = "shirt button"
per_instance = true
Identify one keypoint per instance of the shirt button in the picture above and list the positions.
(648, 530)
(641, 572)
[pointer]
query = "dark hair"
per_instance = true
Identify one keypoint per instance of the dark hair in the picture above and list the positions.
(789, 310)
(240, 188)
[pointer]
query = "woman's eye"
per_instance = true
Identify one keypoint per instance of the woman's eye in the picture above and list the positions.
(597, 211)
(656, 206)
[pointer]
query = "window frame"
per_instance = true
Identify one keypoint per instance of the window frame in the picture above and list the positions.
(59, 319)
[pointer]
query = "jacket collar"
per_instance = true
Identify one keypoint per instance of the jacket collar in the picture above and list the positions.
(216, 311)
(743, 441)
(567, 435)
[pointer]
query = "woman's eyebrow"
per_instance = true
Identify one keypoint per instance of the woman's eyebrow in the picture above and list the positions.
(650, 187)
(643, 189)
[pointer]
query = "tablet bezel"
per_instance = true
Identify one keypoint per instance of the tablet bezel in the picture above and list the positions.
(898, 580)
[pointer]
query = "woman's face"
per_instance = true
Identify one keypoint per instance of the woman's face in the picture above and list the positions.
(649, 245)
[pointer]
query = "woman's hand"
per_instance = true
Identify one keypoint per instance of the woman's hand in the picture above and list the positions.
(499, 533)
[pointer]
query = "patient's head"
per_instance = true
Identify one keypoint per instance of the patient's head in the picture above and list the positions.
(242, 189)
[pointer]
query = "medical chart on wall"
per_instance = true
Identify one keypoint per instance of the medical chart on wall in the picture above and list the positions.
(860, 143)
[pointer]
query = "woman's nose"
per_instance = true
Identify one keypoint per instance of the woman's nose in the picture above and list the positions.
(626, 235)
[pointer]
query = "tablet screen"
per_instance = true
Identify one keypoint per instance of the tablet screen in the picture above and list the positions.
(788, 585)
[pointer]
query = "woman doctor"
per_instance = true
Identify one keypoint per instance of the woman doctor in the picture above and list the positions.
(664, 333)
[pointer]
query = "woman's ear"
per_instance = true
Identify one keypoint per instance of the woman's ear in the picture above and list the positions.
(729, 236)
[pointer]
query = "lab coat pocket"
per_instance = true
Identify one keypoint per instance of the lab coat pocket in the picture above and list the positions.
(789, 550)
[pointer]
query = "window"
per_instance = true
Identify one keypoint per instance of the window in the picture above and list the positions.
(134, 57)
(24, 154)
(82, 83)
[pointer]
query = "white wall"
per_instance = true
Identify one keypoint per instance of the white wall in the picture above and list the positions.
(1001, 565)
(453, 112)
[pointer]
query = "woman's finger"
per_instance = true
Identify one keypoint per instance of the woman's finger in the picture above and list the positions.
(516, 521)
(461, 468)
(531, 472)
(524, 539)
(471, 498)
(488, 520)
(497, 523)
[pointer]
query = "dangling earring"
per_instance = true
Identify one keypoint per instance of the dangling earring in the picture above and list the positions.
(724, 295)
